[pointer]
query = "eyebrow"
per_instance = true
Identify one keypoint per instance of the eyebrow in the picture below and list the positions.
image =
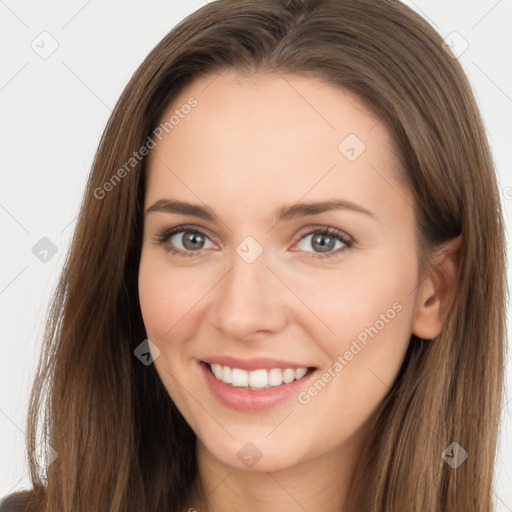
(285, 212)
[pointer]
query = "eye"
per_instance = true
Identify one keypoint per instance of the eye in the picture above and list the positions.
(324, 241)
(190, 241)
(184, 241)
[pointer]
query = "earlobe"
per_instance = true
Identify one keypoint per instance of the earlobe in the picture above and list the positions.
(437, 291)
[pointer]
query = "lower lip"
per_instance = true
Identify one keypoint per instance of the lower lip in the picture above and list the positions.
(249, 400)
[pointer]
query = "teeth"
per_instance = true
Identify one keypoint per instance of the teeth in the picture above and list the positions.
(288, 375)
(275, 377)
(300, 372)
(226, 374)
(240, 377)
(217, 371)
(256, 379)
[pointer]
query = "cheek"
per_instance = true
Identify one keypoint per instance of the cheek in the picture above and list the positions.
(170, 298)
(364, 316)
(349, 300)
(371, 314)
(167, 298)
(155, 299)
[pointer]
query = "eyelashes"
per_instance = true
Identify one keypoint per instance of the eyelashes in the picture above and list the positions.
(330, 233)
(326, 233)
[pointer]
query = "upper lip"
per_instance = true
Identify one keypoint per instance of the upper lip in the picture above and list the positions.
(254, 363)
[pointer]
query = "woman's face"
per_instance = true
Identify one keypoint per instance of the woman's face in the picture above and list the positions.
(249, 174)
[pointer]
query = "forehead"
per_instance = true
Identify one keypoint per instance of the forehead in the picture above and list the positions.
(278, 137)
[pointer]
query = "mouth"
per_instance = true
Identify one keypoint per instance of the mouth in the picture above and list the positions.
(258, 379)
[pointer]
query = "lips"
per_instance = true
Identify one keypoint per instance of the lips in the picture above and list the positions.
(244, 397)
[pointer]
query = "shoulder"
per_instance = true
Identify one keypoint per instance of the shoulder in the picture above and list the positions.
(16, 502)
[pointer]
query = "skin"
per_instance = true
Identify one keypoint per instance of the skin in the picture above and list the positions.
(252, 144)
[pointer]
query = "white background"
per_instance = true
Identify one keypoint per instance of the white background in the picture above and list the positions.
(53, 112)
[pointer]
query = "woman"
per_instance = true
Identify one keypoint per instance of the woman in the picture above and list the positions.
(274, 294)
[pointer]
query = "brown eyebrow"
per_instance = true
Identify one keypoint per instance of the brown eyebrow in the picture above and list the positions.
(283, 213)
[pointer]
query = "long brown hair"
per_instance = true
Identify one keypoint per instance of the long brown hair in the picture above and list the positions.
(122, 445)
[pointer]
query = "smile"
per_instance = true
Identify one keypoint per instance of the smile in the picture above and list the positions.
(256, 379)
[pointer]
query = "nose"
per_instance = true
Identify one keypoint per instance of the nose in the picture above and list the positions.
(248, 302)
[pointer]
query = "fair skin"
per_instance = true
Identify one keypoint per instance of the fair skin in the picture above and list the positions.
(250, 146)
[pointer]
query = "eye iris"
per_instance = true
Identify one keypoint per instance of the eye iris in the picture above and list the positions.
(319, 242)
(192, 240)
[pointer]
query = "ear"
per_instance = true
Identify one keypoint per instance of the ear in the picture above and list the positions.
(437, 291)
